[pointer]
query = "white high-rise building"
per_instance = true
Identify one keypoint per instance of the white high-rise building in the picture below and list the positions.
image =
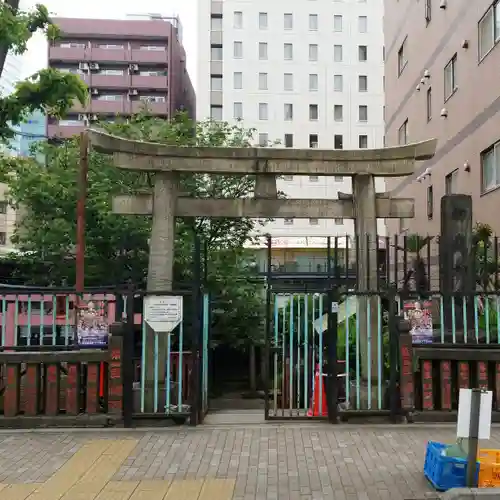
(307, 73)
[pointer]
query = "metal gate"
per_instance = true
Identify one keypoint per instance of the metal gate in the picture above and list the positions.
(310, 333)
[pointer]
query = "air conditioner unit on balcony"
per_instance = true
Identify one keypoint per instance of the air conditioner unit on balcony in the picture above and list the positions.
(133, 92)
(94, 91)
(133, 68)
(82, 117)
(83, 66)
(94, 66)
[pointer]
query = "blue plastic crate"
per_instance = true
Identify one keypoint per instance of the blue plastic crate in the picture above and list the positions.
(444, 472)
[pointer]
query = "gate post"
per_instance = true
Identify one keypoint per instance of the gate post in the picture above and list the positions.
(267, 330)
(394, 378)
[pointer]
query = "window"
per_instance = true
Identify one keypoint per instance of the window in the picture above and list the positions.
(363, 83)
(111, 46)
(337, 23)
(216, 82)
(288, 21)
(338, 141)
(153, 72)
(430, 202)
(216, 23)
(288, 112)
(262, 51)
(363, 141)
(111, 72)
(313, 52)
(363, 113)
(450, 78)
(155, 48)
(337, 53)
(216, 113)
(313, 22)
(313, 222)
(288, 81)
(339, 222)
(238, 111)
(238, 80)
(362, 24)
(262, 81)
(313, 82)
(3, 207)
(263, 139)
(238, 20)
(72, 45)
(117, 97)
(288, 51)
(402, 60)
(313, 112)
(489, 29)
(3, 238)
(490, 168)
(216, 52)
(263, 111)
(288, 140)
(238, 50)
(288, 221)
(450, 182)
(313, 140)
(338, 112)
(362, 53)
(403, 133)
(428, 12)
(263, 20)
(338, 83)
(313, 178)
(429, 104)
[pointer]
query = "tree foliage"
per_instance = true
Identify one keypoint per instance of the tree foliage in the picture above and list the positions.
(48, 90)
(117, 246)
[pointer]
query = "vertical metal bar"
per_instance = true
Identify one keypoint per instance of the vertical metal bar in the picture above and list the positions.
(206, 305)
(54, 320)
(380, 353)
(367, 263)
(405, 258)
(369, 351)
(331, 346)
(347, 342)
(283, 355)
(66, 320)
(16, 319)
(291, 370)
(358, 358)
(487, 316)
(393, 358)
(320, 349)
(180, 368)
(168, 374)
(428, 264)
(156, 368)
(267, 340)
(29, 313)
(453, 321)
(195, 382)
(128, 365)
(299, 327)
(306, 352)
(4, 319)
(143, 361)
(464, 310)
(275, 354)
(441, 317)
(396, 243)
(476, 318)
(42, 318)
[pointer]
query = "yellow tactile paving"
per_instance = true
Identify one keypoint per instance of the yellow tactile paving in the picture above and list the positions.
(220, 489)
(71, 472)
(151, 490)
(118, 490)
(87, 476)
(17, 491)
(187, 489)
(101, 472)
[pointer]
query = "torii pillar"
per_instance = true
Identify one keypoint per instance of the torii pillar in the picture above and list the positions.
(364, 205)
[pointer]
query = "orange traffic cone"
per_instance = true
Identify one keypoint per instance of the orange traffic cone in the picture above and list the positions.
(314, 410)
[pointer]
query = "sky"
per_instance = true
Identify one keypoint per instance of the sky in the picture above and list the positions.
(36, 58)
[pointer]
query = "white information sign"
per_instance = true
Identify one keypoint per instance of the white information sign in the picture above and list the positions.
(464, 407)
(335, 307)
(163, 312)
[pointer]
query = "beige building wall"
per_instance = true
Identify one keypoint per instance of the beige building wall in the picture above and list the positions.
(421, 38)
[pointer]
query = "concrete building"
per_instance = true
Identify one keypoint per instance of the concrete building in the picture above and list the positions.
(307, 74)
(441, 70)
(127, 64)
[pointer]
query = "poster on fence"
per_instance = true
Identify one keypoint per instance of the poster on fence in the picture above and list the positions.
(419, 314)
(92, 325)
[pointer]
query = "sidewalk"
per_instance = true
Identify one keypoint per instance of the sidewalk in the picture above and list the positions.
(256, 462)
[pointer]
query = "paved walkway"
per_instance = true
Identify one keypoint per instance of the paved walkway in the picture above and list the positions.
(212, 463)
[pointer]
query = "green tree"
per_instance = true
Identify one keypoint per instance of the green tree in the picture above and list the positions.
(49, 90)
(117, 246)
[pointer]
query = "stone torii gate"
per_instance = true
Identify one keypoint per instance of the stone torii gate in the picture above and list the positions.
(165, 202)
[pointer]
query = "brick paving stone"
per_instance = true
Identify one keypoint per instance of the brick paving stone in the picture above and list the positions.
(267, 461)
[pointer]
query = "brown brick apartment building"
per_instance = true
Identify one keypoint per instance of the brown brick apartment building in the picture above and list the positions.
(442, 74)
(127, 64)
